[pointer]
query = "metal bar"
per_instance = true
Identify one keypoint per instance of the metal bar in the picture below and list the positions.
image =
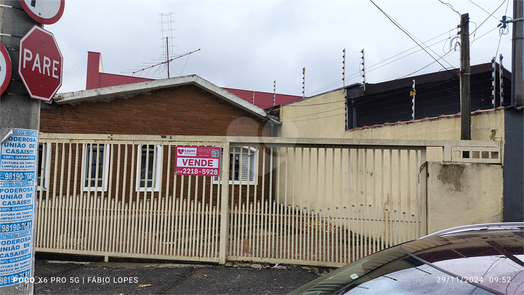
(76, 200)
(176, 236)
(224, 212)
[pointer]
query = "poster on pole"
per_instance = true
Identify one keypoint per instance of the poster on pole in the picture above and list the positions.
(18, 156)
(197, 160)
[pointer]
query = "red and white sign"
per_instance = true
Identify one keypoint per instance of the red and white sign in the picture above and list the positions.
(197, 160)
(5, 68)
(40, 64)
(44, 11)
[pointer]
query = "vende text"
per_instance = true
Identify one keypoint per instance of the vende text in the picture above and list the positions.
(200, 163)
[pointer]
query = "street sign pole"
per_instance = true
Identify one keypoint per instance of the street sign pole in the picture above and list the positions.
(17, 109)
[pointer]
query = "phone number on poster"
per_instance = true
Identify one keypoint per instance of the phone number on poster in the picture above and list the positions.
(27, 176)
(196, 171)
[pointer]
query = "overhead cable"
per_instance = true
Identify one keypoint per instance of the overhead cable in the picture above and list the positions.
(408, 34)
(450, 6)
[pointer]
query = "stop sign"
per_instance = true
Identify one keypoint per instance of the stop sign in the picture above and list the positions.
(40, 64)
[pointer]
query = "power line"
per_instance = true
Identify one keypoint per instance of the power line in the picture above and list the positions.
(450, 6)
(424, 66)
(486, 18)
(381, 64)
(372, 67)
(408, 34)
(486, 10)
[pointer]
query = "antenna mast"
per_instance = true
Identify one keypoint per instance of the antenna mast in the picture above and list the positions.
(167, 61)
(167, 33)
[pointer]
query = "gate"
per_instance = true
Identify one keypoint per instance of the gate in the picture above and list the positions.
(297, 201)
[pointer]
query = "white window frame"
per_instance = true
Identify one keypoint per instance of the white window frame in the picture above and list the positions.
(105, 167)
(253, 166)
(158, 170)
(45, 160)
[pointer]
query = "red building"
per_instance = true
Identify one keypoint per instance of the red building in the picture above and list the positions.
(96, 78)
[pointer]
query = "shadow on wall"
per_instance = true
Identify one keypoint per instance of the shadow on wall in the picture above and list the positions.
(451, 174)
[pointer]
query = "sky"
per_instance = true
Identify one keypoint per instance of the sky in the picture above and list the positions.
(250, 44)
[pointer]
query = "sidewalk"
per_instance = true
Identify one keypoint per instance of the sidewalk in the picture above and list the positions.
(59, 277)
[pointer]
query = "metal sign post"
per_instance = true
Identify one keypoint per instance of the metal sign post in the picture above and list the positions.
(17, 112)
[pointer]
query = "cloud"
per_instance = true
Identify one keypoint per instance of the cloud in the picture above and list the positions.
(250, 44)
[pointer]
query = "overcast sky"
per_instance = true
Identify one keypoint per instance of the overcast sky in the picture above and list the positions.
(249, 44)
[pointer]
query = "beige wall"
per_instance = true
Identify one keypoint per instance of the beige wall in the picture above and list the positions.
(479, 198)
(323, 116)
(460, 194)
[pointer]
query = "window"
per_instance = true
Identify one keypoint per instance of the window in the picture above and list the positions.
(243, 166)
(96, 168)
(149, 168)
(44, 157)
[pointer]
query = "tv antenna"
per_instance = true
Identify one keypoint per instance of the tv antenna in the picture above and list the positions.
(166, 62)
(168, 54)
(166, 24)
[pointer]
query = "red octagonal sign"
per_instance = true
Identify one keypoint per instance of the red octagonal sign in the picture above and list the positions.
(40, 64)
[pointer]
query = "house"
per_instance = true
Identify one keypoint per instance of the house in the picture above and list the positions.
(181, 106)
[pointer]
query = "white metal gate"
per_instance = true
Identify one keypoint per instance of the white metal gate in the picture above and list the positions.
(300, 201)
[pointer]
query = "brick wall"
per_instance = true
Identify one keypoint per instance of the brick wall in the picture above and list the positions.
(185, 110)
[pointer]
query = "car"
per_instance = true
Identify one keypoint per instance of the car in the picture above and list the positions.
(474, 259)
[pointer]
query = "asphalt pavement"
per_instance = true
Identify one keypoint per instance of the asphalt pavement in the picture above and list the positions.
(73, 277)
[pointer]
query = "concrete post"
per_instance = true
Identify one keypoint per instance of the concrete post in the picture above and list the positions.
(517, 78)
(17, 109)
(465, 76)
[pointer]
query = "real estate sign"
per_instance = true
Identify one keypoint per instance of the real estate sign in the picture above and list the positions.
(18, 156)
(197, 160)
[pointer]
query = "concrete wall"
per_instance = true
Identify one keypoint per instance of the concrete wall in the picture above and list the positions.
(460, 194)
(322, 116)
(457, 194)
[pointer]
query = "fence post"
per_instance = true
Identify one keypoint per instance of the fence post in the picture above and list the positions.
(224, 209)
(423, 208)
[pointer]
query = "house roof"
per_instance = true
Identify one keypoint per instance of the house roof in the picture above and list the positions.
(134, 89)
(263, 100)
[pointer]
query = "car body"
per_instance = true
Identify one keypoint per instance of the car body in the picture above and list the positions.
(475, 259)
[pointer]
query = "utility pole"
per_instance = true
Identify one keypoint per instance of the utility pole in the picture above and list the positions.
(465, 76)
(517, 78)
(17, 109)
